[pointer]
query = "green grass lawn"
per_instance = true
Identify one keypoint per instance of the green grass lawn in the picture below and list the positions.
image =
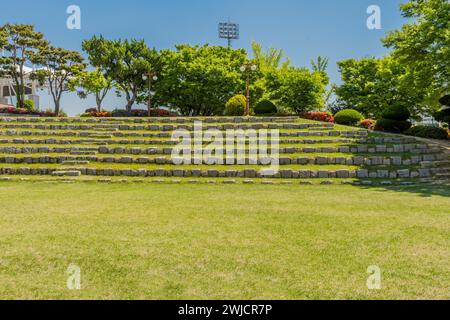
(139, 241)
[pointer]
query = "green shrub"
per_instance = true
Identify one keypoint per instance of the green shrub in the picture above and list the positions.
(443, 115)
(236, 106)
(394, 119)
(399, 113)
(445, 100)
(27, 104)
(348, 117)
(119, 113)
(265, 107)
(430, 132)
(393, 126)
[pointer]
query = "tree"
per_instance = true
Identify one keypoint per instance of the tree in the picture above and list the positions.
(21, 42)
(320, 65)
(270, 59)
(60, 66)
(93, 82)
(125, 63)
(297, 89)
(423, 47)
(199, 80)
(371, 85)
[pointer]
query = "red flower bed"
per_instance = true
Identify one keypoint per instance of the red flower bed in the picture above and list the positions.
(318, 116)
(368, 124)
(18, 111)
(162, 113)
(136, 113)
(96, 114)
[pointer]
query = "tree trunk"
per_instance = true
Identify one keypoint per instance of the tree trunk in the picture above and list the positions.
(57, 107)
(99, 102)
(19, 99)
(130, 103)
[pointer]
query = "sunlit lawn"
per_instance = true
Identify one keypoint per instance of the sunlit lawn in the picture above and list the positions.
(144, 241)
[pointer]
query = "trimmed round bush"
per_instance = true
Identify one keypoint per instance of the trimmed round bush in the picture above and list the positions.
(348, 117)
(265, 107)
(399, 113)
(429, 132)
(393, 126)
(443, 115)
(236, 106)
(394, 119)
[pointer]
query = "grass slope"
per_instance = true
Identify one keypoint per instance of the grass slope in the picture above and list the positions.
(222, 242)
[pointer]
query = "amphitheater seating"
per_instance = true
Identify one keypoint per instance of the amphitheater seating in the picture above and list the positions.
(139, 149)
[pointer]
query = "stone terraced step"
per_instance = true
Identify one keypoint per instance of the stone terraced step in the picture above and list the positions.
(66, 173)
(246, 181)
(336, 133)
(170, 127)
(82, 153)
(281, 140)
(441, 163)
(90, 146)
(444, 176)
(152, 120)
(213, 173)
(440, 170)
(346, 134)
(287, 145)
(57, 140)
(75, 162)
(414, 149)
(283, 161)
(99, 136)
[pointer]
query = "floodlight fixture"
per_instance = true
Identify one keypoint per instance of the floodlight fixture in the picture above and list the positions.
(229, 31)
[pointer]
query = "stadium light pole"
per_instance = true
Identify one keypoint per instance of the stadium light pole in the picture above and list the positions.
(151, 77)
(248, 68)
(229, 31)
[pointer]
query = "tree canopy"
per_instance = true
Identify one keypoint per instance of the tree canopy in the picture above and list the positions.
(199, 80)
(423, 46)
(414, 75)
(21, 42)
(371, 85)
(93, 82)
(124, 62)
(59, 67)
(297, 89)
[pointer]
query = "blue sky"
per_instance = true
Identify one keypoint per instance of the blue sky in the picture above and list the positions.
(304, 29)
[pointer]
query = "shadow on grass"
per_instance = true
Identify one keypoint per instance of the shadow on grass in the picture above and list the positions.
(425, 190)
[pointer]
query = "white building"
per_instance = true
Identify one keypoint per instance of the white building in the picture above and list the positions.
(8, 90)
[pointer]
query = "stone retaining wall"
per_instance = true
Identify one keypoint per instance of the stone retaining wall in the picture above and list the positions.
(166, 127)
(246, 173)
(414, 149)
(160, 120)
